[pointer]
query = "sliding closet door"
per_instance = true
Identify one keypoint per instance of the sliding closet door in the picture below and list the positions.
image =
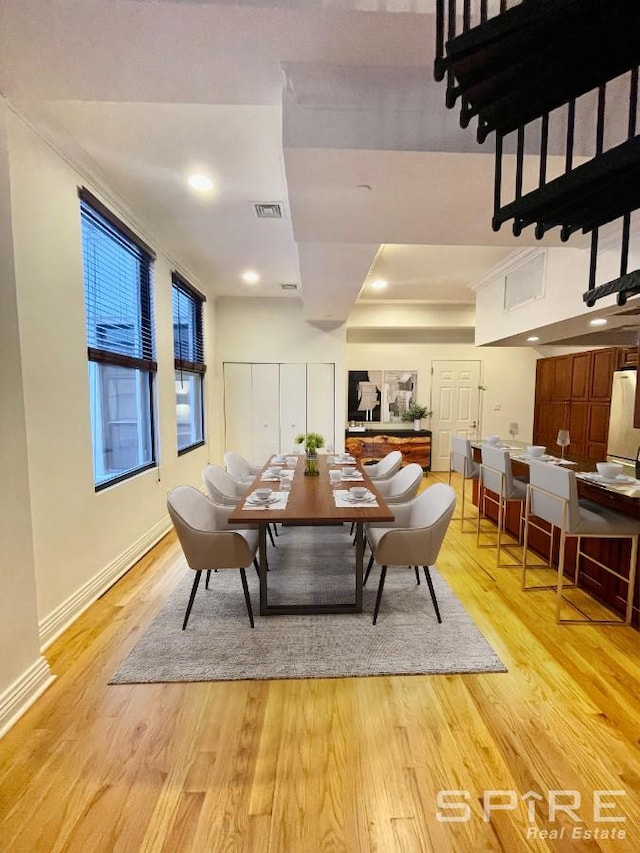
(321, 401)
(293, 405)
(266, 416)
(238, 408)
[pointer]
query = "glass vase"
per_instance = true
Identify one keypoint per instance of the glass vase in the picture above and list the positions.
(311, 464)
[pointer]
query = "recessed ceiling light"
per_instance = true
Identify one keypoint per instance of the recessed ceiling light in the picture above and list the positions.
(201, 183)
(379, 284)
(250, 277)
(533, 338)
(599, 321)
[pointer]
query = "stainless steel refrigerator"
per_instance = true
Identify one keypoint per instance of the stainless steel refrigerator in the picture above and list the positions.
(624, 439)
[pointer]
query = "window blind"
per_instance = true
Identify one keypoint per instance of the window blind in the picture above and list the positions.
(188, 341)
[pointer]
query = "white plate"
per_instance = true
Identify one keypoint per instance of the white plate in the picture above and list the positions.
(352, 477)
(600, 478)
(368, 498)
(261, 501)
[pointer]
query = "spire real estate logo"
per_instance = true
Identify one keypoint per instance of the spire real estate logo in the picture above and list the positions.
(564, 814)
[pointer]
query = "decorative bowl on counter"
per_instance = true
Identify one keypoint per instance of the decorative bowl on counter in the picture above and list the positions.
(536, 450)
(609, 469)
(492, 439)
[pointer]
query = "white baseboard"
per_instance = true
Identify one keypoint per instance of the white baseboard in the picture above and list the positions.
(59, 619)
(23, 693)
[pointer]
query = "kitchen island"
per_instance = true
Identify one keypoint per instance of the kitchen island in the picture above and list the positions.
(612, 552)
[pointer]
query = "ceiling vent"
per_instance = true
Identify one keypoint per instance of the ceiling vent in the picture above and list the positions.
(268, 209)
(288, 286)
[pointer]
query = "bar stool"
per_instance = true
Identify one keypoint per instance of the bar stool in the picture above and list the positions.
(552, 495)
(461, 461)
(497, 477)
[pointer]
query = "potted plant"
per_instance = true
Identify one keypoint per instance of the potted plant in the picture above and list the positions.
(312, 442)
(415, 412)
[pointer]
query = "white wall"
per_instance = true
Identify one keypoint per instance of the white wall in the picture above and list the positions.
(18, 615)
(508, 373)
(81, 539)
(274, 330)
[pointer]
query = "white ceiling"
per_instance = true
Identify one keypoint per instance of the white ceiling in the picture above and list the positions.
(332, 112)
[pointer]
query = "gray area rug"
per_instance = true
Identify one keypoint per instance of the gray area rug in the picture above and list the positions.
(308, 564)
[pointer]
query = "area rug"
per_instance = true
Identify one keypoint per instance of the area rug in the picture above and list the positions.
(308, 564)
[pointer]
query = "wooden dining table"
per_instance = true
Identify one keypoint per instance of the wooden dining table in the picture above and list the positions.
(311, 502)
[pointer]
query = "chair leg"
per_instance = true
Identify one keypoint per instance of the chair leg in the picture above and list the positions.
(383, 575)
(243, 575)
(194, 588)
(271, 535)
(352, 528)
(206, 583)
(275, 528)
(256, 566)
(427, 575)
(417, 575)
(367, 573)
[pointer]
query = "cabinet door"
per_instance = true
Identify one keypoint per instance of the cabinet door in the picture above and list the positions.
(293, 405)
(550, 417)
(238, 408)
(604, 362)
(544, 379)
(265, 382)
(578, 427)
(581, 376)
(628, 357)
(562, 377)
(321, 401)
(598, 423)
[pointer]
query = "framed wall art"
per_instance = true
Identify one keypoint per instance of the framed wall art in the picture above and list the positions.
(380, 396)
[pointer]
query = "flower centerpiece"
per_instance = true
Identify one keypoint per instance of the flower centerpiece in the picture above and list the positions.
(312, 442)
(415, 412)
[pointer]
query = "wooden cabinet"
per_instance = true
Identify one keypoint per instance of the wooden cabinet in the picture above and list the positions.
(581, 376)
(371, 446)
(604, 363)
(574, 392)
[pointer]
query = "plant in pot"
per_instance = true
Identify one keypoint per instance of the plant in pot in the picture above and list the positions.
(312, 442)
(415, 412)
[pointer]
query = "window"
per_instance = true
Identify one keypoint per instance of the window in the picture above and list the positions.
(117, 282)
(189, 363)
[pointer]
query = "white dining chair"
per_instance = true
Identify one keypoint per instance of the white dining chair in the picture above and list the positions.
(461, 462)
(499, 487)
(414, 538)
(386, 467)
(552, 495)
(208, 542)
(239, 467)
(224, 490)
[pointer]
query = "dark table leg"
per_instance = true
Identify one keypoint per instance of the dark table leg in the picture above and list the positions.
(359, 564)
(262, 548)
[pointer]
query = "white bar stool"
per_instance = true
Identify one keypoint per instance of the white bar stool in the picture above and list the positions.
(497, 477)
(461, 461)
(553, 497)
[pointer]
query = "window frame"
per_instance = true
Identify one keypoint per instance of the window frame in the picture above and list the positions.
(92, 207)
(196, 367)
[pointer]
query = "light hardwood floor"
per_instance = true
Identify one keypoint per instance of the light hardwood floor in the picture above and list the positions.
(329, 765)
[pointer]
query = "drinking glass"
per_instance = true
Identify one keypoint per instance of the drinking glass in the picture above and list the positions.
(563, 440)
(513, 430)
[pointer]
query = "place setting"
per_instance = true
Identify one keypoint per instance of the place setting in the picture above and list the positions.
(351, 474)
(609, 474)
(266, 499)
(275, 473)
(356, 496)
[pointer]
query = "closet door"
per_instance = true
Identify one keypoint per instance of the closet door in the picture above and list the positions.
(238, 408)
(265, 413)
(321, 401)
(293, 405)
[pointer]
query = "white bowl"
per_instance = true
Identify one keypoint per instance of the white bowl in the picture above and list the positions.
(492, 439)
(275, 470)
(536, 450)
(358, 492)
(348, 472)
(609, 469)
(263, 494)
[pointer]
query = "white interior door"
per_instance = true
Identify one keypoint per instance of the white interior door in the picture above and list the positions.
(238, 406)
(265, 392)
(321, 401)
(293, 405)
(455, 399)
